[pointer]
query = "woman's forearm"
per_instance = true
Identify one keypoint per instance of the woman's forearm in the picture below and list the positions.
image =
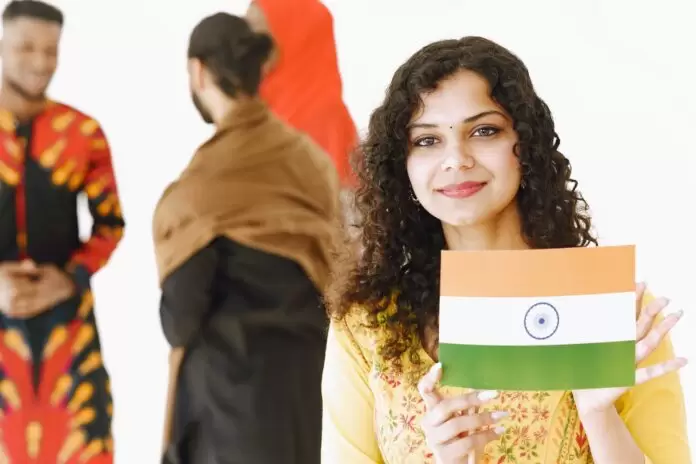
(610, 441)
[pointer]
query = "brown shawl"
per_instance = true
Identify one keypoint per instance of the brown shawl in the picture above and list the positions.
(260, 183)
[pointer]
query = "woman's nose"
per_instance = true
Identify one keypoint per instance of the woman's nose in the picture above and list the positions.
(457, 157)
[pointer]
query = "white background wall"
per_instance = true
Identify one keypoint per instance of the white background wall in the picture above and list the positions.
(619, 78)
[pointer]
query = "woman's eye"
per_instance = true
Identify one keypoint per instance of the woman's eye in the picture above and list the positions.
(485, 131)
(424, 142)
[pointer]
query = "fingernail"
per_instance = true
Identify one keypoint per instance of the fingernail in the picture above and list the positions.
(497, 415)
(487, 395)
(680, 313)
(499, 430)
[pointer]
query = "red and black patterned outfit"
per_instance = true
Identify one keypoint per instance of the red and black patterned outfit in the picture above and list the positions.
(55, 400)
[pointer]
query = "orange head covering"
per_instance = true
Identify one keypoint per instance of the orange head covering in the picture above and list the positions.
(304, 85)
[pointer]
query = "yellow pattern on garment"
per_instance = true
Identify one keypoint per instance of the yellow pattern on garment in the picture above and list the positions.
(61, 122)
(83, 417)
(94, 189)
(49, 156)
(33, 435)
(7, 121)
(14, 341)
(14, 148)
(9, 175)
(93, 449)
(92, 363)
(89, 127)
(76, 180)
(84, 335)
(86, 305)
(83, 394)
(9, 392)
(73, 443)
(60, 175)
(99, 144)
(61, 390)
(59, 335)
(107, 206)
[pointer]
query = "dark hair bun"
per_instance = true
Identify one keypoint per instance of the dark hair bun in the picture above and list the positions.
(233, 52)
(254, 49)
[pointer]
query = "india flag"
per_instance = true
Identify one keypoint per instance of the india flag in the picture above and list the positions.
(560, 319)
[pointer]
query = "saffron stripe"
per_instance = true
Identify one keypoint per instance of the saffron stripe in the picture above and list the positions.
(554, 272)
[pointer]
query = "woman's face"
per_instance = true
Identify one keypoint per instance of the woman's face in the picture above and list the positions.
(461, 161)
(258, 23)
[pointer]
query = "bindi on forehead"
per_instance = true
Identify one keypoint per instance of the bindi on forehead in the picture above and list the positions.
(434, 124)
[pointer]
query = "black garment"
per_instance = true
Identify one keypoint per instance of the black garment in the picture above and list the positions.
(254, 328)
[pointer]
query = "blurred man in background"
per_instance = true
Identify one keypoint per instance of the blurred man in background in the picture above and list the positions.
(243, 240)
(55, 401)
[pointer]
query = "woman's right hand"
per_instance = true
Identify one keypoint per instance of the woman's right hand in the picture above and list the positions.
(452, 430)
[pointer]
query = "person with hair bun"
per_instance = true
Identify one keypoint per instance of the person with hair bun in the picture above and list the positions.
(463, 155)
(243, 241)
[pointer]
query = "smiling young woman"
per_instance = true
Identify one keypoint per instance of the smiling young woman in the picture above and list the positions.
(463, 154)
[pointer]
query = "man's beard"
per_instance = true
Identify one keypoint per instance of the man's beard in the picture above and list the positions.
(202, 110)
(24, 93)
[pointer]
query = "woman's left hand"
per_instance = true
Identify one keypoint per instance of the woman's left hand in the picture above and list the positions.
(647, 340)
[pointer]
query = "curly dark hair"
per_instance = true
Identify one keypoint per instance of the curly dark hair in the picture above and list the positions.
(401, 242)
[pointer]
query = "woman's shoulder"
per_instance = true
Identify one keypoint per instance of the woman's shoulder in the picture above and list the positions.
(364, 327)
(356, 326)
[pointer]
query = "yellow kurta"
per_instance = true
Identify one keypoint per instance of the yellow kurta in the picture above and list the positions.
(373, 416)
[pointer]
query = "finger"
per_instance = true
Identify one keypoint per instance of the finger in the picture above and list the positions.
(26, 267)
(640, 293)
(11, 265)
(651, 341)
(461, 447)
(457, 425)
(23, 273)
(479, 440)
(645, 374)
(445, 409)
(427, 386)
(648, 315)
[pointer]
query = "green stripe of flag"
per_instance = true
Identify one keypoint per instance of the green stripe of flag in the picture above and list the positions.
(538, 367)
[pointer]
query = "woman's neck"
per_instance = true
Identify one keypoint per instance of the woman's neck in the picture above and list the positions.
(502, 233)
